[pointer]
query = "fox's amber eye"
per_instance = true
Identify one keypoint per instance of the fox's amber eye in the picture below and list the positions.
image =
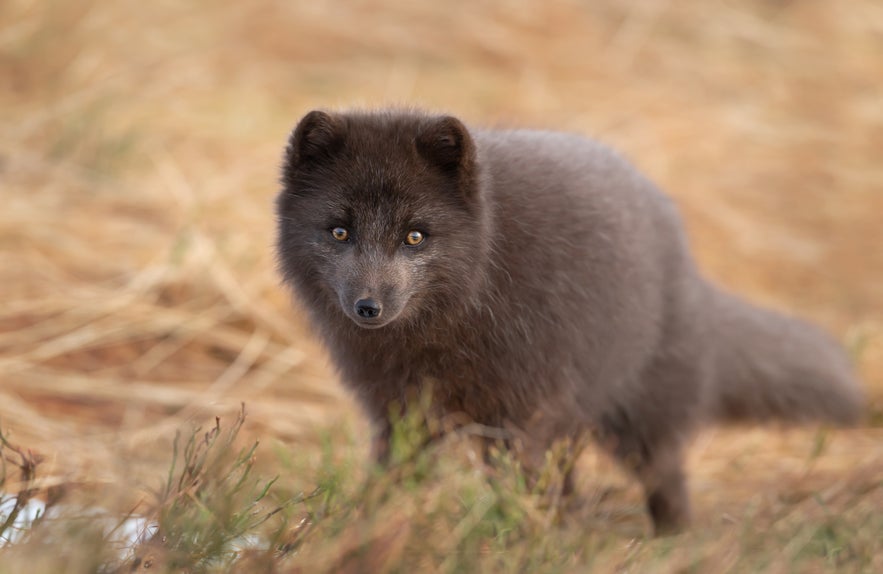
(414, 238)
(340, 234)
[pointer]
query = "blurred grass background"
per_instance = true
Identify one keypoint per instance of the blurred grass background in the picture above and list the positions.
(139, 152)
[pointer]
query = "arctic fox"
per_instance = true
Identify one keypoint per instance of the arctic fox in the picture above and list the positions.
(538, 282)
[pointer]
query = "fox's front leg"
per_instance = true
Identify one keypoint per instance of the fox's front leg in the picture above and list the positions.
(380, 442)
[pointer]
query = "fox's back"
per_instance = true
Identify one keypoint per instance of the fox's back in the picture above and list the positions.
(591, 241)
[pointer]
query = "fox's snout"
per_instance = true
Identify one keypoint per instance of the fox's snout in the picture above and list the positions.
(369, 304)
(368, 308)
(371, 311)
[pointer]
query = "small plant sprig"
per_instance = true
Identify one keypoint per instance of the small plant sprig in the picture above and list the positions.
(210, 508)
(27, 462)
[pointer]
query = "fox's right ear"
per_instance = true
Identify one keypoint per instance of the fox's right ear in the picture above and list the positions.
(445, 142)
(317, 136)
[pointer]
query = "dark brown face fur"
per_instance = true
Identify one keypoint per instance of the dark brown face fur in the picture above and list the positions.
(371, 181)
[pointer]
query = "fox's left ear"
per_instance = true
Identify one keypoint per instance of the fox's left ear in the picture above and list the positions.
(445, 142)
(316, 138)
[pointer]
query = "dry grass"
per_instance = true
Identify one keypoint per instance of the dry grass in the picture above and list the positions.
(139, 145)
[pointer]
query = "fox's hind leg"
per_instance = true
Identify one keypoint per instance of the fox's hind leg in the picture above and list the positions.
(658, 463)
(665, 487)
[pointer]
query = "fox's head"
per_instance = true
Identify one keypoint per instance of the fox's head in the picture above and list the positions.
(381, 216)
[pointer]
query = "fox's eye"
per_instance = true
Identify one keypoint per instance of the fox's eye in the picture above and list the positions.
(340, 234)
(414, 238)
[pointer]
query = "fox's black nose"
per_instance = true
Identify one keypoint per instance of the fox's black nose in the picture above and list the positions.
(368, 308)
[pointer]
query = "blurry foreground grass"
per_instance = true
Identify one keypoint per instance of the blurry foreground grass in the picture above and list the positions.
(437, 509)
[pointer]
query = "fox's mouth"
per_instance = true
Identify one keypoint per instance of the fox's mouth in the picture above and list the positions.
(373, 322)
(370, 324)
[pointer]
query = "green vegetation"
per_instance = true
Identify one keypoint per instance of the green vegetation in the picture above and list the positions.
(437, 509)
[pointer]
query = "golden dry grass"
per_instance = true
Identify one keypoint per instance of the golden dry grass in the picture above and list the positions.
(139, 149)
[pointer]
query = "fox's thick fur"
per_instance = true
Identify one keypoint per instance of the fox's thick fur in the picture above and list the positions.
(552, 292)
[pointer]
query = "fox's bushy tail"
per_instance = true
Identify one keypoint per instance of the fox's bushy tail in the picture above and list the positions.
(769, 366)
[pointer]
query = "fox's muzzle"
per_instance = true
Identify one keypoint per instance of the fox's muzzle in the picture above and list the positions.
(368, 309)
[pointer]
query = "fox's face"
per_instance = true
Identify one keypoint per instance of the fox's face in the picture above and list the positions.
(379, 218)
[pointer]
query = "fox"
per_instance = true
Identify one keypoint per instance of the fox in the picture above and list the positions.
(534, 280)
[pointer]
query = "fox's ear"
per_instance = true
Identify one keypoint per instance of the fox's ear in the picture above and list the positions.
(317, 136)
(446, 143)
